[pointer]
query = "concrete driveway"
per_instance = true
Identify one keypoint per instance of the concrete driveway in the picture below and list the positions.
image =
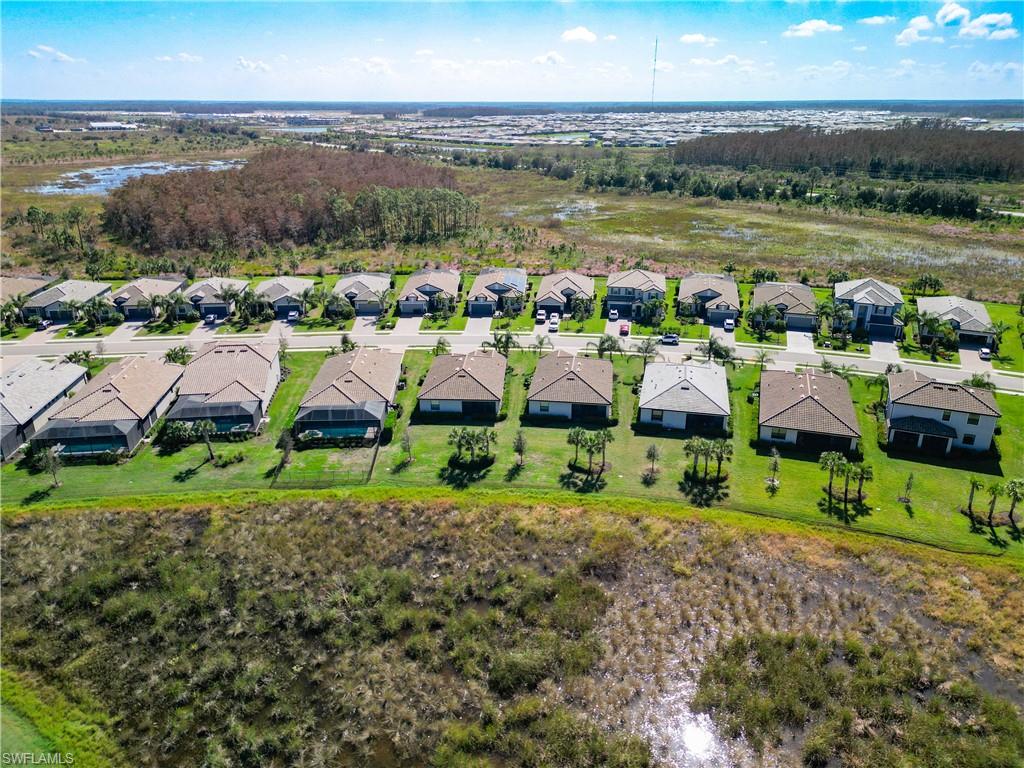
(364, 325)
(885, 351)
(408, 324)
(478, 326)
(800, 341)
(970, 361)
(126, 330)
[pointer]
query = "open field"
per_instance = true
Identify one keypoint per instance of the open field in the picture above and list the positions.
(492, 630)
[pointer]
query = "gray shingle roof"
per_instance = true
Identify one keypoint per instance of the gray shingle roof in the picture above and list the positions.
(867, 290)
(915, 388)
(807, 401)
(723, 285)
(922, 426)
(968, 315)
(797, 298)
(562, 377)
(134, 293)
(473, 376)
(26, 388)
(686, 388)
(283, 286)
(362, 375)
(69, 290)
(365, 286)
(563, 285)
(13, 285)
(208, 289)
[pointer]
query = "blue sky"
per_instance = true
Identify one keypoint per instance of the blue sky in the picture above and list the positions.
(501, 51)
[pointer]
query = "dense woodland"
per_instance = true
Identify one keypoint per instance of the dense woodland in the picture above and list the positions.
(924, 150)
(300, 195)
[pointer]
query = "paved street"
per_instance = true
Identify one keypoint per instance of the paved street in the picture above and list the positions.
(407, 334)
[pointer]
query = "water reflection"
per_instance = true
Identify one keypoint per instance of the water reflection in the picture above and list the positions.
(99, 181)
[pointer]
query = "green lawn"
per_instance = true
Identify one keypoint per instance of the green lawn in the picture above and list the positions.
(183, 328)
(235, 326)
(1011, 352)
(315, 321)
(771, 338)
(17, 333)
(911, 350)
(595, 323)
(838, 348)
(80, 331)
(152, 472)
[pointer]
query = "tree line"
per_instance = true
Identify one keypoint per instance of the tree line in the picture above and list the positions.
(297, 195)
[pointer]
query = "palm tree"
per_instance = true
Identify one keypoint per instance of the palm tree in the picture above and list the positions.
(654, 453)
(457, 439)
(999, 329)
(844, 371)
(979, 381)
(487, 437)
(714, 349)
(995, 490)
(763, 358)
(762, 316)
(832, 462)
(82, 357)
(180, 354)
(503, 342)
(864, 473)
(540, 341)
(907, 315)
(576, 438)
(842, 319)
(974, 484)
(691, 447)
(647, 349)
(205, 428)
(847, 470)
(607, 344)
(722, 450)
(707, 449)
(604, 437)
(1015, 492)
(881, 381)
(442, 346)
(519, 446)
(591, 444)
(825, 311)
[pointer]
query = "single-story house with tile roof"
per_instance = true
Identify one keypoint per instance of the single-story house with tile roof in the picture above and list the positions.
(809, 409)
(205, 295)
(794, 301)
(134, 299)
(113, 411)
(497, 288)
(363, 290)
(351, 394)
(55, 303)
(556, 292)
(230, 383)
(713, 297)
(632, 288)
(571, 386)
(425, 288)
(930, 416)
(29, 392)
(14, 285)
(874, 304)
(472, 384)
(694, 396)
(285, 294)
(968, 318)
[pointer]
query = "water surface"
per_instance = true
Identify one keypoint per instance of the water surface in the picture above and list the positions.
(99, 181)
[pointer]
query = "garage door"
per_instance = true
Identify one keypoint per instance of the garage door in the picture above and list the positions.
(481, 309)
(799, 323)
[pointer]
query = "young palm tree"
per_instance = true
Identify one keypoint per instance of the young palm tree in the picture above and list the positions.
(647, 349)
(763, 358)
(519, 446)
(974, 484)
(881, 381)
(604, 437)
(722, 450)
(205, 428)
(864, 473)
(995, 490)
(180, 354)
(442, 346)
(653, 454)
(82, 357)
(607, 344)
(825, 310)
(503, 342)
(540, 341)
(576, 438)
(831, 462)
(979, 381)
(1014, 492)
(457, 439)
(999, 329)
(842, 318)
(591, 444)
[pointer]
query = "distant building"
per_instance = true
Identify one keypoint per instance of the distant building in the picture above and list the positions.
(285, 294)
(134, 299)
(112, 126)
(13, 285)
(363, 290)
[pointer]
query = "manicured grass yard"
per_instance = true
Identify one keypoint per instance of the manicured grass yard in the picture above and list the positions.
(1011, 351)
(315, 321)
(232, 325)
(911, 350)
(80, 331)
(162, 329)
(595, 323)
(748, 336)
(17, 333)
(152, 472)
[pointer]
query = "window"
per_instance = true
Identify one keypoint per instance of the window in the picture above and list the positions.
(544, 407)
(657, 415)
(946, 415)
(778, 433)
(973, 418)
(968, 439)
(435, 405)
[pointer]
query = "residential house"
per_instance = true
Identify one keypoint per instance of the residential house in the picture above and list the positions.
(713, 297)
(628, 290)
(497, 288)
(926, 415)
(114, 411)
(472, 385)
(689, 396)
(351, 394)
(969, 319)
(285, 294)
(206, 296)
(364, 290)
(57, 303)
(794, 302)
(809, 409)
(13, 285)
(229, 383)
(134, 300)
(571, 386)
(426, 289)
(874, 304)
(29, 392)
(556, 292)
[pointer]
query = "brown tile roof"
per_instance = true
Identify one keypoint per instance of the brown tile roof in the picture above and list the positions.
(797, 298)
(474, 376)
(362, 375)
(512, 279)
(132, 294)
(562, 377)
(553, 287)
(915, 388)
(12, 285)
(126, 389)
(445, 279)
(808, 401)
(639, 279)
(724, 286)
(209, 289)
(229, 369)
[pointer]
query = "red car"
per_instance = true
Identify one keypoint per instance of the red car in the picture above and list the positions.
(624, 329)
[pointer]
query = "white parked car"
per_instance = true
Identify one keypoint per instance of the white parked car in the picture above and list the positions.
(542, 315)
(985, 353)
(553, 324)
(729, 324)
(613, 314)
(293, 316)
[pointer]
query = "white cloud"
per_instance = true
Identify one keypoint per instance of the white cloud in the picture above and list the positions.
(579, 35)
(52, 54)
(664, 66)
(912, 33)
(834, 71)
(810, 28)
(187, 58)
(877, 21)
(989, 26)
(1006, 70)
(424, 52)
(549, 59)
(610, 38)
(377, 65)
(698, 38)
(860, 48)
(951, 12)
(732, 58)
(251, 65)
